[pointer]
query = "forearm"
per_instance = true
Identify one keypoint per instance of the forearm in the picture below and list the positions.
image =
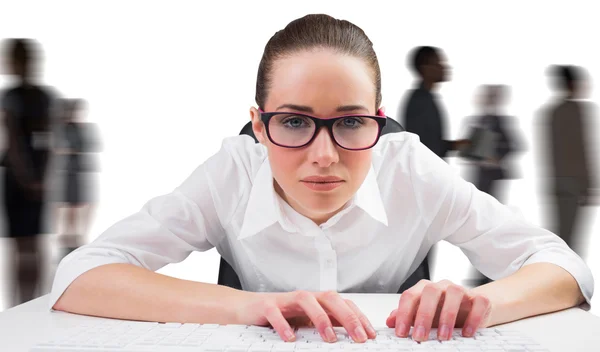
(125, 291)
(533, 290)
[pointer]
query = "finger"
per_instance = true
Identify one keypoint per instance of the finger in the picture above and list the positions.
(405, 314)
(279, 323)
(317, 315)
(407, 308)
(334, 321)
(428, 306)
(391, 320)
(479, 313)
(453, 298)
(333, 302)
(371, 333)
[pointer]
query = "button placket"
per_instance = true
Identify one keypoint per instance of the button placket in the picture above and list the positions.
(328, 262)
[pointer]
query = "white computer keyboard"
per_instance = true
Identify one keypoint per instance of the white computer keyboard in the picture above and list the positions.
(127, 336)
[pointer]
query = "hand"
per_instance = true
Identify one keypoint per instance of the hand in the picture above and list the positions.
(444, 305)
(493, 162)
(323, 310)
(461, 143)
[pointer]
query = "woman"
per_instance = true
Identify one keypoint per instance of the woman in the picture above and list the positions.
(322, 206)
(25, 110)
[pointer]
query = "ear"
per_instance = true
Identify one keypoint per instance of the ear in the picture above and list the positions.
(381, 110)
(258, 127)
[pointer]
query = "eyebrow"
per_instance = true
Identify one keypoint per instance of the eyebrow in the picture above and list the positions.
(304, 108)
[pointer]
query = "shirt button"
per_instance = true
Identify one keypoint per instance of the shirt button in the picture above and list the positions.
(329, 263)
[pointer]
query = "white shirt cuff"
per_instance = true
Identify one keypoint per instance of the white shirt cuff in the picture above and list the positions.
(572, 264)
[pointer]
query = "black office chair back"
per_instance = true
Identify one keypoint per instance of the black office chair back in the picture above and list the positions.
(228, 276)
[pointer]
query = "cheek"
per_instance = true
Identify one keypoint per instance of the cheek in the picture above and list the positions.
(357, 165)
(284, 164)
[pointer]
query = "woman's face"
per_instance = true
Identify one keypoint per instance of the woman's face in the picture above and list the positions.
(324, 84)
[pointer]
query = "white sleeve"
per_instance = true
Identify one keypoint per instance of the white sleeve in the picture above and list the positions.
(169, 227)
(497, 240)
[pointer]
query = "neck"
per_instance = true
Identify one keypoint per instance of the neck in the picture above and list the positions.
(491, 111)
(318, 219)
(24, 80)
(429, 85)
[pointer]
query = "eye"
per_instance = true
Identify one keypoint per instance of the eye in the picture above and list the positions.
(351, 122)
(294, 121)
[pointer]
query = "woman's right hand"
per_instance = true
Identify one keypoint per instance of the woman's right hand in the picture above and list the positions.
(322, 310)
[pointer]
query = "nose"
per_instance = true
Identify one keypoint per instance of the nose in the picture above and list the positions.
(323, 150)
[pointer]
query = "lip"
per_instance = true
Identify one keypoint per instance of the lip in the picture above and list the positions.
(322, 183)
(322, 179)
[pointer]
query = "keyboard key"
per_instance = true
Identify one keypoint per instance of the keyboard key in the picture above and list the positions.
(284, 346)
(446, 348)
(261, 347)
(432, 343)
(209, 326)
(214, 348)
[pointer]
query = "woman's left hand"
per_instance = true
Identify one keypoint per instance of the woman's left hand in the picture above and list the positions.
(444, 305)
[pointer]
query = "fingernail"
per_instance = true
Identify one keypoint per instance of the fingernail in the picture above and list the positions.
(289, 335)
(468, 331)
(420, 333)
(444, 332)
(401, 329)
(360, 333)
(371, 329)
(330, 334)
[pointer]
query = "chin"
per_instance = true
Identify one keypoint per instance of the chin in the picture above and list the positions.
(322, 204)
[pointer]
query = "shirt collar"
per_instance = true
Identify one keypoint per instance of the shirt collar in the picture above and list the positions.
(265, 207)
(368, 198)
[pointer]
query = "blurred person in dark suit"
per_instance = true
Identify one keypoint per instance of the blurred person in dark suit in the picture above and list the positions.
(569, 171)
(423, 115)
(75, 146)
(26, 112)
(493, 167)
(488, 158)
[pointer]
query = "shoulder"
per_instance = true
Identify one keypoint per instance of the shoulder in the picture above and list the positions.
(10, 93)
(403, 153)
(48, 93)
(407, 169)
(417, 95)
(244, 148)
(226, 178)
(239, 158)
(10, 97)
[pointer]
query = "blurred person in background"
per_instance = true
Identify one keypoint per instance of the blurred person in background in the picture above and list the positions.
(422, 114)
(75, 146)
(493, 167)
(26, 110)
(570, 174)
(488, 161)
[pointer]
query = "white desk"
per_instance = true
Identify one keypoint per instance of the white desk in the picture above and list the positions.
(570, 330)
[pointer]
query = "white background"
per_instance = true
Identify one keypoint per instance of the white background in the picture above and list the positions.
(167, 81)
